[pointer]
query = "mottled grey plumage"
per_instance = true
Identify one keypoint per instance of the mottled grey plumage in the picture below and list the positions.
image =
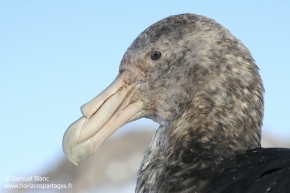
(206, 94)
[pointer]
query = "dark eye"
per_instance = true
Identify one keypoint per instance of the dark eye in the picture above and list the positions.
(155, 55)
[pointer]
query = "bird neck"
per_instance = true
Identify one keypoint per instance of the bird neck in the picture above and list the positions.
(199, 139)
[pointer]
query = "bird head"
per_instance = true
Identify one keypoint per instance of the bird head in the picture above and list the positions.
(181, 61)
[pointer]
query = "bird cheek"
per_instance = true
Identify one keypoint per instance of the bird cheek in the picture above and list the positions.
(135, 76)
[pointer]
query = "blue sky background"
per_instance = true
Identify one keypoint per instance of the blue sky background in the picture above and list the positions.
(57, 55)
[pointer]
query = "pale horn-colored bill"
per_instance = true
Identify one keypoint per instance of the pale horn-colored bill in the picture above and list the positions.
(103, 115)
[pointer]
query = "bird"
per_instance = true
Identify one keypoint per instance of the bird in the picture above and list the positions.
(201, 84)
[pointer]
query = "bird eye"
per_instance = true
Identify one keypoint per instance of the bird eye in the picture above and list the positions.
(155, 55)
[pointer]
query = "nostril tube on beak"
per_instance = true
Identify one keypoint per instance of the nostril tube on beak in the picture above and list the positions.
(92, 106)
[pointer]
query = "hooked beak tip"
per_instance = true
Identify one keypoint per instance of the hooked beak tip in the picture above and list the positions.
(70, 140)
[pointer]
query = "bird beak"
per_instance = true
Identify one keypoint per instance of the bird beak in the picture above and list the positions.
(102, 116)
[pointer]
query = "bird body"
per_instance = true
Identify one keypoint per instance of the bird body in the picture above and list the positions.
(201, 84)
(256, 170)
